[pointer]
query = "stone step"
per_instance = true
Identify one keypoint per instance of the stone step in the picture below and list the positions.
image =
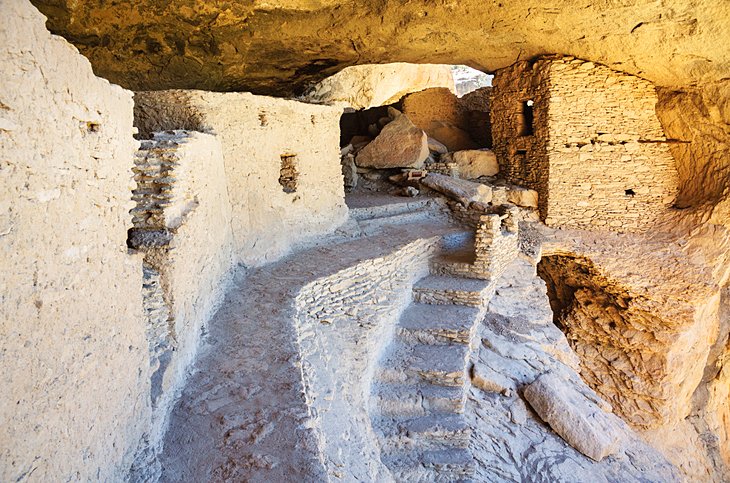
(391, 209)
(443, 365)
(372, 225)
(398, 400)
(431, 432)
(447, 465)
(444, 290)
(438, 324)
(457, 263)
(457, 241)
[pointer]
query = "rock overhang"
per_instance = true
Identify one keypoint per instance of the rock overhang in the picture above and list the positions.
(279, 47)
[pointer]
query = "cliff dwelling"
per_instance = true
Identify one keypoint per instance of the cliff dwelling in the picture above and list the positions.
(309, 240)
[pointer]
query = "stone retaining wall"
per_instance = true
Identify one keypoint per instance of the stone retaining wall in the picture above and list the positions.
(344, 322)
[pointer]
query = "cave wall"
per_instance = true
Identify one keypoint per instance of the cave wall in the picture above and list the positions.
(458, 123)
(74, 370)
(608, 164)
(648, 355)
(699, 121)
(280, 46)
(259, 135)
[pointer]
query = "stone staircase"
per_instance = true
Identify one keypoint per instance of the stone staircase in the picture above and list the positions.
(419, 392)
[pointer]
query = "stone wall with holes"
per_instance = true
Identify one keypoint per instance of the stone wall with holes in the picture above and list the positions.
(182, 224)
(344, 320)
(272, 211)
(596, 152)
(74, 370)
(521, 146)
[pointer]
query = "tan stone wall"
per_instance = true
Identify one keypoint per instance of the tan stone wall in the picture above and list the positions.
(523, 159)
(597, 157)
(183, 206)
(255, 132)
(606, 143)
(73, 355)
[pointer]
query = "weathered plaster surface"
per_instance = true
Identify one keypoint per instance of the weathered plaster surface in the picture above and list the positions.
(255, 132)
(75, 375)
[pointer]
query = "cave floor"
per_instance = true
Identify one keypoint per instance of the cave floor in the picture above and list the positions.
(242, 414)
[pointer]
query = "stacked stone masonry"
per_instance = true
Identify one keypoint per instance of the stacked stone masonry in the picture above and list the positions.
(181, 195)
(353, 313)
(256, 133)
(587, 139)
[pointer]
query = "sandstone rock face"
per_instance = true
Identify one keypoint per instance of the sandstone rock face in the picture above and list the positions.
(473, 163)
(571, 415)
(276, 45)
(451, 136)
(698, 121)
(399, 145)
(460, 123)
(366, 86)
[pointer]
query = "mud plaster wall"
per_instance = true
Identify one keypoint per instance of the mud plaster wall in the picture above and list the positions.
(608, 161)
(255, 131)
(187, 276)
(350, 315)
(73, 356)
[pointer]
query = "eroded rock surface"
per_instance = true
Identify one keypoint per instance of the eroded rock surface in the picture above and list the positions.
(278, 46)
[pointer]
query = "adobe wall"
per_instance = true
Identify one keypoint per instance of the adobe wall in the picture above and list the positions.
(182, 223)
(255, 132)
(74, 370)
(597, 154)
(605, 143)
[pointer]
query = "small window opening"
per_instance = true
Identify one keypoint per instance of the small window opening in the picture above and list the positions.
(630, 192)
(527, 119)
(288, 173)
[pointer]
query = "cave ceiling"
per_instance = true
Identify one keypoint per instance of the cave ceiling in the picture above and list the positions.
(279, 47)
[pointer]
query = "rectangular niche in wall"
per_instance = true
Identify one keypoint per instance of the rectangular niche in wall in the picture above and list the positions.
(288, 175)
(527, 119)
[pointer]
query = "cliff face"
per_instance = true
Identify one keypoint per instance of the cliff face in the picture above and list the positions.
(279, 46)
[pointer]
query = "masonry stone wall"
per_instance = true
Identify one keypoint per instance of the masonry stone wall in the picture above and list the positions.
(256, 133)
(523, 158)
(74, 368)
(596, 152)
(344, 322)
(182, 223)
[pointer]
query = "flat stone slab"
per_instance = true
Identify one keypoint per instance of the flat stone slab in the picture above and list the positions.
(579, 421)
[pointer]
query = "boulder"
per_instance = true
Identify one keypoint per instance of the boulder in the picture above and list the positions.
(399, 145)
(473, 163)
(451, 136)
(460, 190)
(577, 419)
(436, 147)
(524, 197)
